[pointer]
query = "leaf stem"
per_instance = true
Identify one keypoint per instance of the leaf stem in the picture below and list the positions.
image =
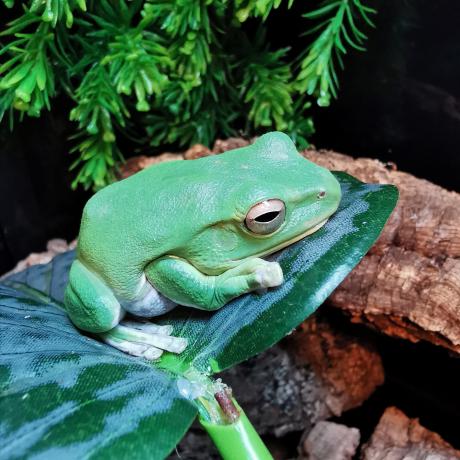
(222, 417)
(237, 440)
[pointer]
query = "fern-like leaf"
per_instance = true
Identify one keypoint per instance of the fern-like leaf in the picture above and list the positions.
(98, 108)
(27, 77)
(338, 28)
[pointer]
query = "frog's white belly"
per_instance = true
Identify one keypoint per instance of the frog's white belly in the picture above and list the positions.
(148, 303)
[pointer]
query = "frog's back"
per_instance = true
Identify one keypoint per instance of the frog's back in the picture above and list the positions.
(158, 210)
(136, 220)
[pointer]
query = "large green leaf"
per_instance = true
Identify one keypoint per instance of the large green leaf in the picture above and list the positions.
(65, 395)
(62, 391)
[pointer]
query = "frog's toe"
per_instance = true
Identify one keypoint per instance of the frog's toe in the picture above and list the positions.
(144, 339)
(152, 353)
(165, 342)
(153, 335)
(269, 275)
(148, 327)
(133, 348)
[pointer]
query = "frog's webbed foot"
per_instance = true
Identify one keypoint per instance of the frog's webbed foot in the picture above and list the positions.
(143, 339)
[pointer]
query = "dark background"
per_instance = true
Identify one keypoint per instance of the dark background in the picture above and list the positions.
(398, 102)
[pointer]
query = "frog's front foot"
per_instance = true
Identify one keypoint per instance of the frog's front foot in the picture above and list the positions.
(143, 339)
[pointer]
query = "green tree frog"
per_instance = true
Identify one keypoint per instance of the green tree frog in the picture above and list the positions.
(191, 233)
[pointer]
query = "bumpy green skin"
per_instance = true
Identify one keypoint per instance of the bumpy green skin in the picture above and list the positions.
(179, 227)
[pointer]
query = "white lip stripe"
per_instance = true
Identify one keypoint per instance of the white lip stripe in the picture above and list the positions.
(287, 243)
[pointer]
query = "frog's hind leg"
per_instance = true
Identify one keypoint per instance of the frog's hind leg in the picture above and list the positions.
(142, 338)
(89, 302)
(92, 307)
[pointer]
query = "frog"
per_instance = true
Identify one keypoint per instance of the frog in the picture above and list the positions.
(194, 233)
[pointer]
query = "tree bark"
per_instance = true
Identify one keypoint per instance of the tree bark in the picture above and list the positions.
(408, 285)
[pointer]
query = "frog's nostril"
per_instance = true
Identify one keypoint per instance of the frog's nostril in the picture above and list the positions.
(321, 194)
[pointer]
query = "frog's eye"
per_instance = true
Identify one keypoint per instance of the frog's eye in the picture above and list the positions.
(265, 217)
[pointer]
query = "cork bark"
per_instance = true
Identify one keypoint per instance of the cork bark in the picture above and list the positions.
(397, 437)
(408, 285)
(349, 366)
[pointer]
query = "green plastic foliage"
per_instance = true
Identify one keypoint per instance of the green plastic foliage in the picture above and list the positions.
(98, 105)
(161, 72)
(62, 393)
(52, 11)
(338, 30)
(27, 81)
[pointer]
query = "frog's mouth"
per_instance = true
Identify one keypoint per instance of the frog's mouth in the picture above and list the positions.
(291, 241)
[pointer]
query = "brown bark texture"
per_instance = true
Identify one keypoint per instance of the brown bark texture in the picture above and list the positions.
(347, 365)
(408, 285)
(398, 437)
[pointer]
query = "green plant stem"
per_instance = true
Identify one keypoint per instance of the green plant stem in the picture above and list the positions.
(238, 440)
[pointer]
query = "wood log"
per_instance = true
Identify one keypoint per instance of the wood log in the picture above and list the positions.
(397, 437)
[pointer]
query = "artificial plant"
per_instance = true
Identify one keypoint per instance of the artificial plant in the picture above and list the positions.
(63, 394)
(170, 72)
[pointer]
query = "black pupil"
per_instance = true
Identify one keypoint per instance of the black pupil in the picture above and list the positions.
(267, 217)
